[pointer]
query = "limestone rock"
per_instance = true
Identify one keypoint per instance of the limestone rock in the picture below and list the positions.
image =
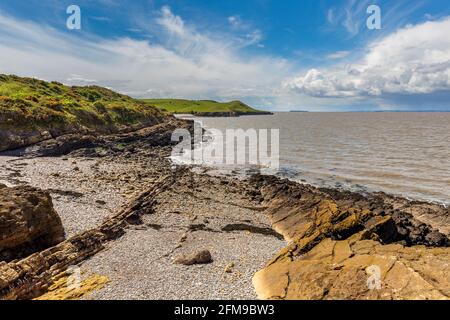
(28, 222)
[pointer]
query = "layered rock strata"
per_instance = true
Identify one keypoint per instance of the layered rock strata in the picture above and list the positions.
(32, 276)
(348, 246)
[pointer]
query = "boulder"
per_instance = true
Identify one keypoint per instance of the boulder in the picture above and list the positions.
(28, 222)
(43, 268)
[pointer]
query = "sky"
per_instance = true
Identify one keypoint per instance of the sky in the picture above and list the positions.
(315, 55)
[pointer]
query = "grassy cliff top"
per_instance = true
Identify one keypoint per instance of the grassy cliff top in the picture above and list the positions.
(200, 106)
(27, 103)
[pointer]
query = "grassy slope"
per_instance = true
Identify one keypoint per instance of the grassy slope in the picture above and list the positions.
(195, 106)
(27, 104)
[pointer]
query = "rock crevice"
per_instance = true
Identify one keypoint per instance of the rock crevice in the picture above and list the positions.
(343, 245)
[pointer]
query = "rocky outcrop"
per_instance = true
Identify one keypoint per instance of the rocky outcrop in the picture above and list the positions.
(28, 222)
(341, 241)
(31, 277)
(153, 136)
(12, 139)
(302, 211)
(50, 110)
(357, 269)
(433, 214)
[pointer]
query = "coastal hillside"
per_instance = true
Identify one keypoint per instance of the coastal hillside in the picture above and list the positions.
(33, 110)
(204, 107)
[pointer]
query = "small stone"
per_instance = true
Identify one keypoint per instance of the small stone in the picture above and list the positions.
(201, 257)
(229, 268)
(183, 238)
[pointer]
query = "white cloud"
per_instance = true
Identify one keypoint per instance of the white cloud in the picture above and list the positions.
(338, 55)
(254, 37)
(235, 21)
(76, 78)
(413, 60)
(350, 23)
(102, 19)
(171, 22)
(348, 16)
(251, 36)
(192, 63)
(186, 63)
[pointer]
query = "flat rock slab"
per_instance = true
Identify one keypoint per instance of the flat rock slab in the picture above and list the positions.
(358, 270)
(345, 245)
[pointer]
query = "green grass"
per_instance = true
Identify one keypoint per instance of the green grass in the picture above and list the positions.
(27, 104)
(200, 106)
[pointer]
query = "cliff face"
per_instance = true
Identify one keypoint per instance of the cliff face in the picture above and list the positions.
(347, 246)
(32, 111)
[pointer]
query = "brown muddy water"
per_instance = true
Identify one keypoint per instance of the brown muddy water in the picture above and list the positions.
(400, 153)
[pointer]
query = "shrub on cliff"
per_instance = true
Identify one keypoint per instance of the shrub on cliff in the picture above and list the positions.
(31, 109)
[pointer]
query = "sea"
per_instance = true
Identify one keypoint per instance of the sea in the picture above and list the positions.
(401, 153)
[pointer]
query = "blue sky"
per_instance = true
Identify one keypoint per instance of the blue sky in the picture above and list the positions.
(277, 55)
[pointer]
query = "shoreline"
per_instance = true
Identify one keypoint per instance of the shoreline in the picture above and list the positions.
(332, 180)
(200, 211)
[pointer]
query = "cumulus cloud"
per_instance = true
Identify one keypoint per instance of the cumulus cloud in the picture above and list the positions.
(185, 63)
(413, 60)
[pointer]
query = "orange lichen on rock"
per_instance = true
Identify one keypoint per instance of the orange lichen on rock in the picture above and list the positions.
(66, 289)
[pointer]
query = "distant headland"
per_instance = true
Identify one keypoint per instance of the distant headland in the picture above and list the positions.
(205, 108)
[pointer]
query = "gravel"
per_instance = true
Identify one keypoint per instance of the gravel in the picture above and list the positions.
(189, 217)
